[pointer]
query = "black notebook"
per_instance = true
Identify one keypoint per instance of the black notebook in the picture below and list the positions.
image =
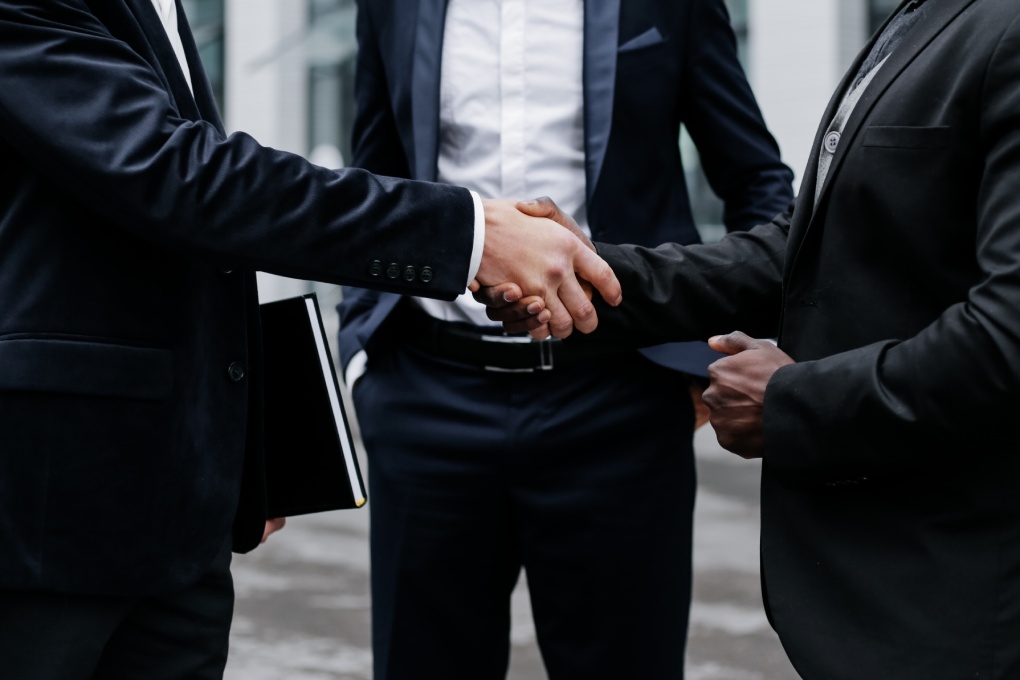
(311, 464)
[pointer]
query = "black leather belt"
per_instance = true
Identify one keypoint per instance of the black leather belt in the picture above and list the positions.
(490, 349)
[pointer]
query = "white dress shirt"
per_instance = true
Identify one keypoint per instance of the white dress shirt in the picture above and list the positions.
(511, 115)
(511, 109)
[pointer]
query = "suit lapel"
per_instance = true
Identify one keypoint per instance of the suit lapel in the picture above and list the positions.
(155, 34)
(941, 15)
(601, 35)
(427, 65)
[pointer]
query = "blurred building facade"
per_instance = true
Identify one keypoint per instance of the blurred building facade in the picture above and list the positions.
(283, 70)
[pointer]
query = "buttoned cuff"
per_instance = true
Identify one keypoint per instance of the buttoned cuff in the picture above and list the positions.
(479, 246)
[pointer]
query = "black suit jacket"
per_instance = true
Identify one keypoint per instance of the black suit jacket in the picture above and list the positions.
(891, 485)
(130, 227)
(649, 66)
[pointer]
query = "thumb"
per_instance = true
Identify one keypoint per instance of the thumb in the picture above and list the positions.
(734, 343)
(543, 206)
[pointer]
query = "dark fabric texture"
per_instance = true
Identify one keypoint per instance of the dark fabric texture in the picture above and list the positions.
(637, 94)
(576, 475)
(58, 636)
(130, 229)
(891, 488)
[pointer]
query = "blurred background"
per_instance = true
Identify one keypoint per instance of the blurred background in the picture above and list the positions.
(283, 71)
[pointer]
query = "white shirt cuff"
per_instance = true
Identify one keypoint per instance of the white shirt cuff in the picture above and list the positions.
(479, 246)
(355, 369)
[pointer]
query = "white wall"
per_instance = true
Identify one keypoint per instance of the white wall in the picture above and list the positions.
(798, 51)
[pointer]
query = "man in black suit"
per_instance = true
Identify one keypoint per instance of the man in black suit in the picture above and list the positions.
(489, 467)
(130, 387)
(891, 482)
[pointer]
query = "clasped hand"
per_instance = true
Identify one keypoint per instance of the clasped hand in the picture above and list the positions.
(537, 277)
(736, 395)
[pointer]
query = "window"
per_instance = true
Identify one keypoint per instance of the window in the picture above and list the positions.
(206, 19)
(331, 48)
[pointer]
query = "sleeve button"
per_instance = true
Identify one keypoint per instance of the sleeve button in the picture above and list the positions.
(425, 275)
(393, 271)
(236, 372)
(375, 269)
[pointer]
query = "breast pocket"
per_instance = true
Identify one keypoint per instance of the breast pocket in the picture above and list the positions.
(643, 51)
(906, 137)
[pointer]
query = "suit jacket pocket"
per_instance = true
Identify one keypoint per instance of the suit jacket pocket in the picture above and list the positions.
(904, 137)
(647, 49)
(85, 367)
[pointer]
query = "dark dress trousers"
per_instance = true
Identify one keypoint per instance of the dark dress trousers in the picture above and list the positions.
(583, 474)
(130, 228)
(891, 487)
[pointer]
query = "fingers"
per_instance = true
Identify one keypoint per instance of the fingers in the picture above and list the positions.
(543, 206)
(498, 296)
(594, 269)
(581, 310)
(733, 343)
(561, 324)
(272, 526)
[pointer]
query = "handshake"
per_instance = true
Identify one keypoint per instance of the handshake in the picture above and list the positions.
(539, 270)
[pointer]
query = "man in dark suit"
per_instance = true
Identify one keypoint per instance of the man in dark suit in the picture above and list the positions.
(891, 482)
(482, 456)
(130, 387)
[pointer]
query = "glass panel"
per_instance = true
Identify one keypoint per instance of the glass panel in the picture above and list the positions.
(330, 48)
(206, 19)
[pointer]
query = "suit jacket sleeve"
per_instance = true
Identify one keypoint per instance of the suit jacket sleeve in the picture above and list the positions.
(682, 293)
(740, 157)
(376, 147)
(952, 387)
(94, 117)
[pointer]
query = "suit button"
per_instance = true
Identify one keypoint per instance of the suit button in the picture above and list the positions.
(832, 141)
(236, 372)
(393, 271)
(375, 269)
(410, 273)
(425, 275)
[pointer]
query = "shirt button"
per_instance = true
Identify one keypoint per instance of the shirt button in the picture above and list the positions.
(425, 275)
(236, 372)
(832, 142)
(393, 271)
(410, 273)
(375, 269)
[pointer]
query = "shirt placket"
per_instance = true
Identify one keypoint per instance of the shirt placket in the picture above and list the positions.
(512, 106)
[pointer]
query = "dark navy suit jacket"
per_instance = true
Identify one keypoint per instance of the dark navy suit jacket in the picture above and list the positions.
(649, 65)
(130, 228)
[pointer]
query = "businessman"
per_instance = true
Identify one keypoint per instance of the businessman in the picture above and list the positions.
(493, 462)
(891, 483)
(130, 386)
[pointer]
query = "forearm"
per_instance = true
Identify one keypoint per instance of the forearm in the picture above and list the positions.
(680, 293)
